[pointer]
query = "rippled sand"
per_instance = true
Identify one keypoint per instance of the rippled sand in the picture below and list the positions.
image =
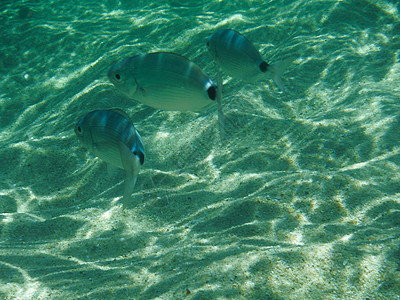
(300, 201)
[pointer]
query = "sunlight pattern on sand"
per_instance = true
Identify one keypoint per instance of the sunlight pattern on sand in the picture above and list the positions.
(301, 200)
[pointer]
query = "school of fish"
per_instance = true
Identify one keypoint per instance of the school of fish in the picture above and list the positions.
(167, 81)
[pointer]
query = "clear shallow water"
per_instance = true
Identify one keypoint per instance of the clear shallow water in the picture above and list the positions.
(300, 201)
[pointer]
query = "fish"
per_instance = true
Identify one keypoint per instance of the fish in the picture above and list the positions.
(165, 81)
(111, 136)
(239, 58)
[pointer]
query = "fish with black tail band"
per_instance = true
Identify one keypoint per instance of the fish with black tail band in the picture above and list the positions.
(111, 136)
(238, 57)
(164, 81)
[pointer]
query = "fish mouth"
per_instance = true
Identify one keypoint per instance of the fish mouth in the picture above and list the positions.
(109, 74)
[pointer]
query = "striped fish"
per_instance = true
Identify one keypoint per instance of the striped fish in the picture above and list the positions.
(111, 136)
(165, 81)
(238, 57)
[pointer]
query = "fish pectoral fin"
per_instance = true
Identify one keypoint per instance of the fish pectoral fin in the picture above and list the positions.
(131, 164)
(100, 147)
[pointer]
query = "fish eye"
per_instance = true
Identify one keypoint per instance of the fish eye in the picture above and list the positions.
(117, 76)
(79, 129)
(208, 44)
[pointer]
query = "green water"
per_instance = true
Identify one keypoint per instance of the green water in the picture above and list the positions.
(300, 201)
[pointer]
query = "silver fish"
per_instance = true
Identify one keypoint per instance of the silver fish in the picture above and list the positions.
(238, 57)
(165, 81)
(111, 136)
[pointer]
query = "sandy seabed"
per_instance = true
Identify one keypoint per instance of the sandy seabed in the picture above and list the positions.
(301, 200)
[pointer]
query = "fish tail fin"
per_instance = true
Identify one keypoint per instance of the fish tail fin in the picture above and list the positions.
(131, 164)
(276, 71)
(130, 182)
(221, 118)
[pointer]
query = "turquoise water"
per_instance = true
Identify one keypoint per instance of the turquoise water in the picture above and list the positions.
(300, 201)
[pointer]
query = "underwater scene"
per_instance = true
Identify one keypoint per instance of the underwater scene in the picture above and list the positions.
(140, 158)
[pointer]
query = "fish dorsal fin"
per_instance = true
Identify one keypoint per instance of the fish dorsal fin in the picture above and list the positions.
(122, 113)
